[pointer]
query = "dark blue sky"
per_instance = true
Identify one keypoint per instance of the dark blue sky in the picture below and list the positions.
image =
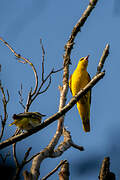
(22, 24)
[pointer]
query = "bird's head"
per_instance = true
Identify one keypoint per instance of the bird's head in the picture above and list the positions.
(83, 62)
(14, 116)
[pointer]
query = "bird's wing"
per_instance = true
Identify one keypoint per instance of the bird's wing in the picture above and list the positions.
(70, 83)
(91, 89)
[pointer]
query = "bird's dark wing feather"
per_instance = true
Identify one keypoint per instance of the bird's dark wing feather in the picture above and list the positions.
(70, 83)
(91, 89)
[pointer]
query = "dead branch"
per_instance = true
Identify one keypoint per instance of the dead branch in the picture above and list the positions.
(20, 92)
(43, 55)
(43, 91)
(105, 173)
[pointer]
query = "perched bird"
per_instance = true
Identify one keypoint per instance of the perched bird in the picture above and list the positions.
(27, 120)
(78, 80)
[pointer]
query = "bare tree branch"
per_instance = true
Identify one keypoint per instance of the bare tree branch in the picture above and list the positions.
(20, 92)
(43, 91)
(43, 54)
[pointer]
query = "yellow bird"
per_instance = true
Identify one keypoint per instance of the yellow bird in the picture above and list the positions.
(78, 80)
(28, 120)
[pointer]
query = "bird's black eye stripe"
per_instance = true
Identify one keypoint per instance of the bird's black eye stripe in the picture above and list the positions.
(81, 59)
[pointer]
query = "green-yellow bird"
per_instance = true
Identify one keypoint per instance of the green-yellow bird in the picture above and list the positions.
(28, 120)
(78, 80)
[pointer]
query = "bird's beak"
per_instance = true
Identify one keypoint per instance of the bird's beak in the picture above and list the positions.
(87, 57)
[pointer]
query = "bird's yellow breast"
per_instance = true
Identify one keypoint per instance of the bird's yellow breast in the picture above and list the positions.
(79, 80)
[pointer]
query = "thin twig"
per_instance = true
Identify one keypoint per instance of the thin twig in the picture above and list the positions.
(29, 100)
(58, 70)
(5, 102)
(20, 92)
(43, 82)
(43, 91)
(103, 58)
(43, 59)
(26, 156)
(80, 148)
(54, 170)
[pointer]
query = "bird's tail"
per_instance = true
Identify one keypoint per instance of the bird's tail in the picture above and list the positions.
(85, 116)
(86, 124)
